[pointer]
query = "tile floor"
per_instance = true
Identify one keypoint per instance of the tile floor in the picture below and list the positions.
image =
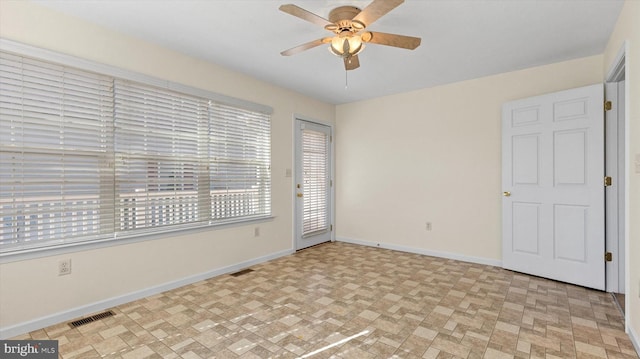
(340, 300)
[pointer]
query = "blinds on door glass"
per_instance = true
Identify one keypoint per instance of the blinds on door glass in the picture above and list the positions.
(54, 141)
(315, 177)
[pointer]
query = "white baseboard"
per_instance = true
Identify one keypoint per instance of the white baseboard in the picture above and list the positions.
(39, 323)
(635, 339)
(448, 255)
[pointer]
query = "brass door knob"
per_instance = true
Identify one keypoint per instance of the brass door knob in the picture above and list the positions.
(299, 194)
(506, 194)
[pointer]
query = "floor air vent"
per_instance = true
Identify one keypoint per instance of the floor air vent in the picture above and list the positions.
(93, 318)
(244, 271)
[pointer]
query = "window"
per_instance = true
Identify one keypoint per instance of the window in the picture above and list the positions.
(54, 137)
(239, 142)
(160, 156)
(86, 156)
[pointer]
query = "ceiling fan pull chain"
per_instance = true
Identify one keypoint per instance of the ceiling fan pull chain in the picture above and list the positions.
(346, 79)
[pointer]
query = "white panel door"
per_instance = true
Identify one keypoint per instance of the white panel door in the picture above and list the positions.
(552, 176)
(313, 184)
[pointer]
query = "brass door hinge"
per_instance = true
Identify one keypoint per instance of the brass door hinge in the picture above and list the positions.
(608, 257)
(608, 181)
(331, 227)
(608, 105)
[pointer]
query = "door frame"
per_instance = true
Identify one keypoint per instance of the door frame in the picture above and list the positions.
(614, 194)
(332, 188)
(615, 74)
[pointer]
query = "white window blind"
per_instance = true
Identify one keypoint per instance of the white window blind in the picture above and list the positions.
(315, 167)
(240, 158)
(86, 156)
(161, 151)
(54, 143)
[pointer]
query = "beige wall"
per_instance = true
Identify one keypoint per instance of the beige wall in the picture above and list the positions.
(31, 289)
(428, 155)
(435, 155)
(628, 28)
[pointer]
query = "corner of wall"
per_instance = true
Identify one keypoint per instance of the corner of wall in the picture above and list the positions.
(426, 252)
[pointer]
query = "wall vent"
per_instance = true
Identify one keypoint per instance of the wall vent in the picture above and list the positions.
(244, 271)
(93, 318)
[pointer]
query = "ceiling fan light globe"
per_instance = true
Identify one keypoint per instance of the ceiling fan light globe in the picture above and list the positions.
(346, 46)
(333, 51)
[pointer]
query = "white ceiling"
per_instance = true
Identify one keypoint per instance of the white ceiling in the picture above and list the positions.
(461, 39)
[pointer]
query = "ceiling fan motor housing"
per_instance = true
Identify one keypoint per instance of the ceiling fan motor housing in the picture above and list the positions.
(342, 17)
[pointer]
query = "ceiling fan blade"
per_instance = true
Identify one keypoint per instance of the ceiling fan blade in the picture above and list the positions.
(376, 10)
(351, 62)
(309, 45)
(304, 14)
(405, 42)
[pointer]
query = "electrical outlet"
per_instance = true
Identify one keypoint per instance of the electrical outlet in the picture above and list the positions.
(256, 232)
(427, 226)
(64, 267)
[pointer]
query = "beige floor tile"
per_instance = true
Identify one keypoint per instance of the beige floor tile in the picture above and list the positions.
(367, 303)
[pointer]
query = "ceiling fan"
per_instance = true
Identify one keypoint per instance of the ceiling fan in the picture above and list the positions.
(348, 23)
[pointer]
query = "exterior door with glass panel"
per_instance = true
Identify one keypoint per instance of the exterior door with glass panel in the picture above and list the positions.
(312, 184)
(553, 183)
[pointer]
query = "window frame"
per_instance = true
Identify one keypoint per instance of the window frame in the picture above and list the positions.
(115, 237)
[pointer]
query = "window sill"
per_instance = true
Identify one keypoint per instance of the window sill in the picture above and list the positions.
(40, 252)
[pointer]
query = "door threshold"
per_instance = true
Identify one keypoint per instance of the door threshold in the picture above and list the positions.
(315, 245)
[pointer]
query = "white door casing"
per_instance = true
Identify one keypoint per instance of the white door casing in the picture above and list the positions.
(552, 176)
(615, 194)
(312, 183)
(621, 175)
